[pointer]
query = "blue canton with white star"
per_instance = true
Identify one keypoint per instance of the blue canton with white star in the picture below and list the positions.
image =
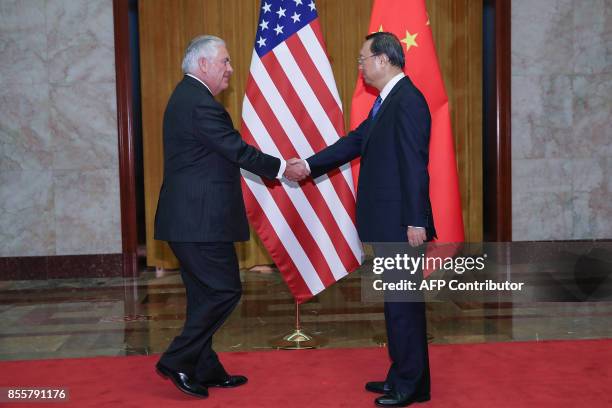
(279, 20)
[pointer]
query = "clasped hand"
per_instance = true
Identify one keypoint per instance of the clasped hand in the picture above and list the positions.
(296, 170)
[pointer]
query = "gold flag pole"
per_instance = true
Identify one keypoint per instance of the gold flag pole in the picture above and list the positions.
(297, 339)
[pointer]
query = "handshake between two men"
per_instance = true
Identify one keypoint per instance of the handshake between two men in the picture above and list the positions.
(296, 170)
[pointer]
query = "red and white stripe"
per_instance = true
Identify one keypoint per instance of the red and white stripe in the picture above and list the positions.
(292, 109)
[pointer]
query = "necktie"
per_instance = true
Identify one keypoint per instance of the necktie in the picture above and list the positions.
(376, 106)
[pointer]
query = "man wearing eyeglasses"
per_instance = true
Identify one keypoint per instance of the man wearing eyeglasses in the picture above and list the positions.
(392, 201)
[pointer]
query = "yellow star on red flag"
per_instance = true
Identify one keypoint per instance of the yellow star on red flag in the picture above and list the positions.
(410, 40)
(380, 29)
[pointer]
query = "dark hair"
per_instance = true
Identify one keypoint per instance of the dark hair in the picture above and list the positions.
(388, 44)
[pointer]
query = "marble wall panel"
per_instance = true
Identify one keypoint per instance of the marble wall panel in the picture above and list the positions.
(58, 132)
(592, 36)
(542, 37)
(542, 116)
(608, 173)
(599, 202)
(588, 174)
(592, 107)
(87, 212)
(26, 213)
(81, 41)
(561, 119)
(543, 215)
(592, 198)
(542, 175)
(582, 217)
(23, 44)
(84, 126)
(589, 216)
(25, 137)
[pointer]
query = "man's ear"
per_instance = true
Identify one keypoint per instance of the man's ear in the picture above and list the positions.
(203, 64)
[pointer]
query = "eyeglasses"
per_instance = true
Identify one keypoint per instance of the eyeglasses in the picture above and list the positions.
(361, 59)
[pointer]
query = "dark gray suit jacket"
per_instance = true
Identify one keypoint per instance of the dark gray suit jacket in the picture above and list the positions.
(201, 197)
(393, 190)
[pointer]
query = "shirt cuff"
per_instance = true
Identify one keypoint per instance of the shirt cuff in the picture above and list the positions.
(281, 169)
(412, 226)
(307, 165)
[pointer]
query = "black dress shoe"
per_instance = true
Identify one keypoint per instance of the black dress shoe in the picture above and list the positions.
(182, 382)
(398, 399)
(228, 382)
(379, 387)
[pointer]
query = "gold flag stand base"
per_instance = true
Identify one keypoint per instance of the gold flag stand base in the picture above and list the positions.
(297, 339)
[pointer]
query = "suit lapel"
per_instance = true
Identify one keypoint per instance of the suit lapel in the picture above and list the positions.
(374, 121)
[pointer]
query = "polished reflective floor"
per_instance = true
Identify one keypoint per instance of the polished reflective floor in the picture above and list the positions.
(115, 316)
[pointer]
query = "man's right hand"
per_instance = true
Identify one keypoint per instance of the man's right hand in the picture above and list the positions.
(296, 170)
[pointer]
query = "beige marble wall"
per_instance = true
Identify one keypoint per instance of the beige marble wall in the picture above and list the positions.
(561, 119)
(59, 181)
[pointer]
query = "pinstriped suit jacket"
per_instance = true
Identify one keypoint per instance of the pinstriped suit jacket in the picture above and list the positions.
(201, 197)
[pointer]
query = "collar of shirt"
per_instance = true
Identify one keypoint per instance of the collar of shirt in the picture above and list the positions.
(385, 91)
(200, 81)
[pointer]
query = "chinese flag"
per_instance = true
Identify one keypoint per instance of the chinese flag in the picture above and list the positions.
(409, 21)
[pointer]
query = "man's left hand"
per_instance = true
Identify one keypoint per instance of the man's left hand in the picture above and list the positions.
(416, 236)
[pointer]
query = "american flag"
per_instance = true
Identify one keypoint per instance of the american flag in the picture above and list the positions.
(292, 109)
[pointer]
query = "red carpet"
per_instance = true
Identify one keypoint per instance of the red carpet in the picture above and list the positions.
(546, 374)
